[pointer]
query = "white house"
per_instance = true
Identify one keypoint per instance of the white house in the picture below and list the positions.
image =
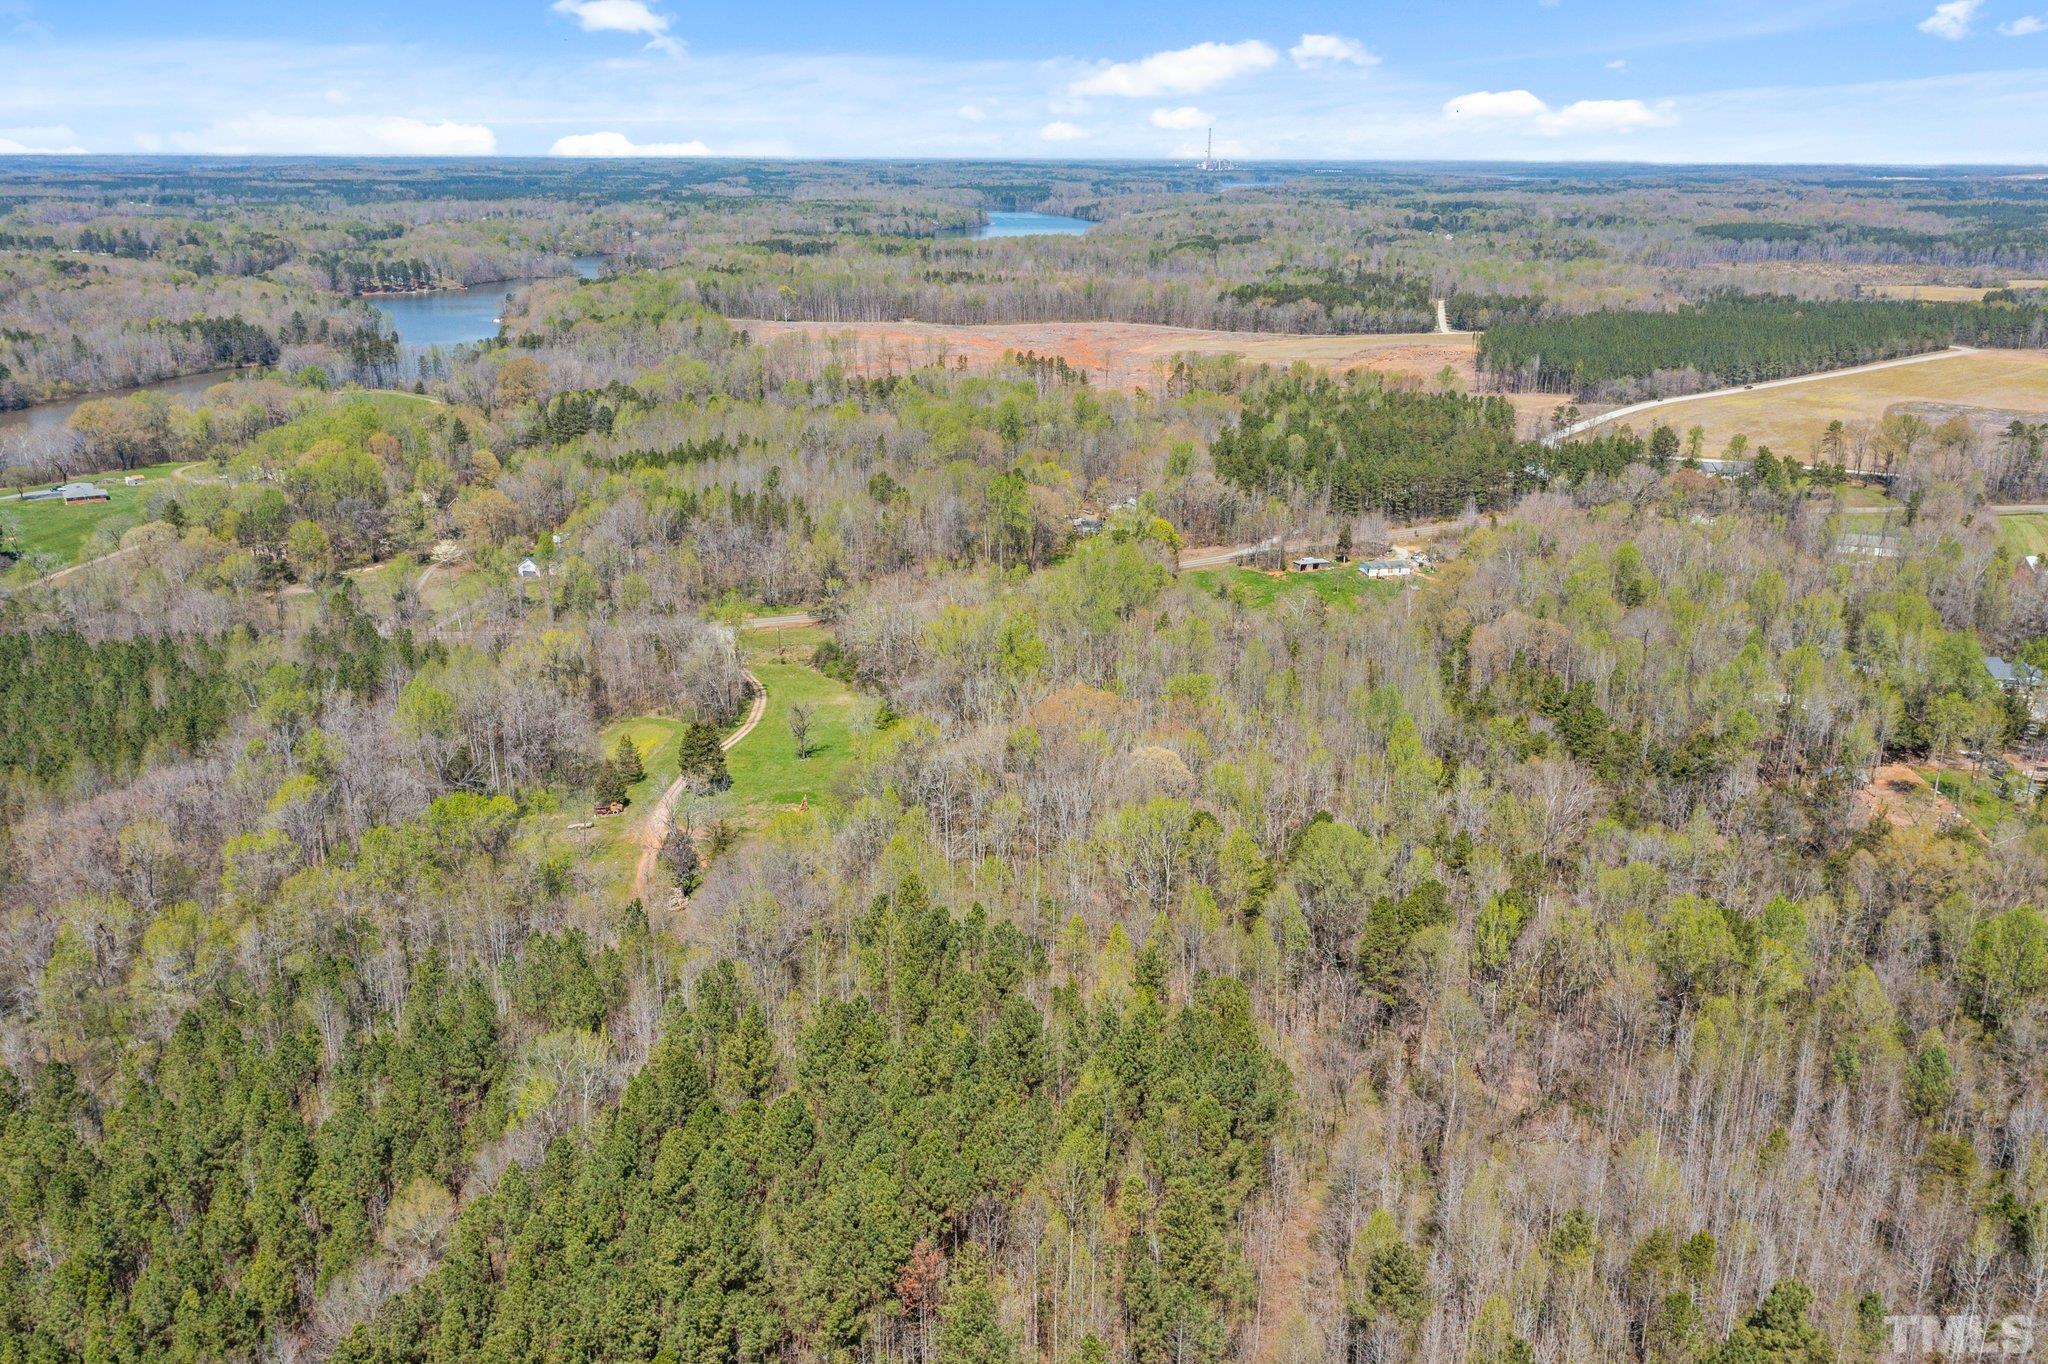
(1388, 568)
(528, 568)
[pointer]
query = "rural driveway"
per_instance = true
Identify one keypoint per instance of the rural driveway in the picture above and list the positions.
(1636, 409)
(655, 832)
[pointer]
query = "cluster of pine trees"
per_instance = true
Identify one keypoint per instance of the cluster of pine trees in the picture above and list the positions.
(1737, 340)
(1359, 445)
(750, 1198)
(69, 705)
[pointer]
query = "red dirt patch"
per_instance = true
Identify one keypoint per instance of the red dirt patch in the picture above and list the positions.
(1134, 356)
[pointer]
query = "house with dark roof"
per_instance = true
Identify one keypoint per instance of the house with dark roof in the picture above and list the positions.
(2012, 676)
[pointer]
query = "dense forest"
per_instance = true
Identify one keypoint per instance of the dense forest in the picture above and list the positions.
(625, 842)
(1617, 356)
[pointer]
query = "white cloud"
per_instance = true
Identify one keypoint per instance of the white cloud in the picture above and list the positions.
(1606, 116)
(52, 140)
(1186, 71)
(2024, 26)
(1618, 64)
(1181, 119)
(1328, 49)
(1487, 106)
(621, 16)
(260, 134)
(1952, 19)
(1063, 132)
(618, 144)
(1523, 109)
(972, 113)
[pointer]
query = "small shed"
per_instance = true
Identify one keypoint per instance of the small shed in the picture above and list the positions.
(528, 568)
(1309, 563)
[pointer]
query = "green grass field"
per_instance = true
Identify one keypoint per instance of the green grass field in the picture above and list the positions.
(1341, 586)
(1977, 798)
(765, 769)
(2024, 533)
(59, 533)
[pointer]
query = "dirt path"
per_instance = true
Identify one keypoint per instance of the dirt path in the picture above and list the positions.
(654, 832)
(1637, 409)
(1222, 556)
(50, 579)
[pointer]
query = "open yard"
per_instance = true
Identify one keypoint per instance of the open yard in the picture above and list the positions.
(2024, 532)
(1791, 419)
(1256, 590)
(60, 533)
(766, 771)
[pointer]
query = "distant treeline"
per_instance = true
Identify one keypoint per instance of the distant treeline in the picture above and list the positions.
(1408, 455)
(231, 340)
(1736, 340)
(1361, 299)
(374, 274)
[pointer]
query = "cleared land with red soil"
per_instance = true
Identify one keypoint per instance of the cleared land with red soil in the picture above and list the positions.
(1133, 355)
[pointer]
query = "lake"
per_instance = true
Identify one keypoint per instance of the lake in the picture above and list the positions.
(457, 317)
(447, 317)
(1031, 225)
(52, 416)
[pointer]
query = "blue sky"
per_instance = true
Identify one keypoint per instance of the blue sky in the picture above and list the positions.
(1885, 81)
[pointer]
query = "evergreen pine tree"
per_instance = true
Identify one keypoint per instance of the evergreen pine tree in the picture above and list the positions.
(610, 786)
(701, 758)
(970, 1331)
(627, 759)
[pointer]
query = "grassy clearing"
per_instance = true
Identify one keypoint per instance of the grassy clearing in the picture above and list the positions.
(1977, 798)
(1949, 293)
(2024, 533)
(615, 841)
(61, 533)
(1791, 420)
(784, 642)
(1248, 587)
(766, 771)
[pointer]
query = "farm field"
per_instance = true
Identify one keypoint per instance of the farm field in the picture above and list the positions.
(1137, 356)
(1791, 419)
(1950, 293)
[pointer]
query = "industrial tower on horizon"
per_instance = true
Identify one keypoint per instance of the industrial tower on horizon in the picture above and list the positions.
(1209, 161)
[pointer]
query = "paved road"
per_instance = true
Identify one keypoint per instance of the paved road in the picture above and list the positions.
(1636, 409)
(655, 832)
